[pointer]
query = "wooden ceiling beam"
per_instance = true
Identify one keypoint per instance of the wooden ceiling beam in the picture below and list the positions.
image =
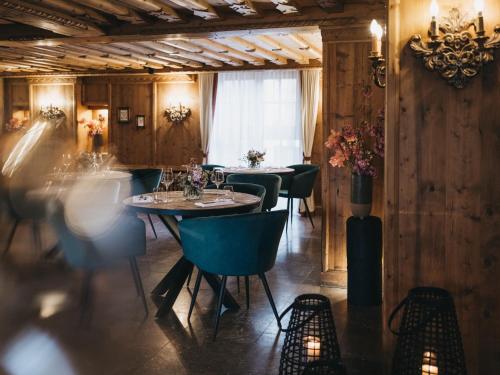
(109, 52)
(281, 48)
(96, 55)
(194, 48)
(79, 58)
(170, 51)
(48, 19)
(155, 9)
(151, 53)
(12, 55)
(305, 45)
(200, 8)
(223, 49)
(121, 12)
(192, 52)
(41, 53)
(253, 48)
(73, 9)
(243, 7)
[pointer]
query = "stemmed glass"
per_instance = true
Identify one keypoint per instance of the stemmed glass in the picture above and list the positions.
(167, 180)
(218, 177)
(66, 161)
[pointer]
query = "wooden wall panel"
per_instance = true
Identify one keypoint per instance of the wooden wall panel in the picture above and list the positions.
(442, 210)
(133, 145)
(176, 144)
(346, 75)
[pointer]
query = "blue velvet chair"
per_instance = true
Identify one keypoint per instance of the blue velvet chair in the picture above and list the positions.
(210, 167)
(145, 181)
(126, 238)
(233, 245)
(300, 186)
(271, 183)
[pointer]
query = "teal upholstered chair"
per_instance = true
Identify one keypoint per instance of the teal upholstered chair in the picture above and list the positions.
(233, 245)
(126, 238)
(145, 181)
(300, 186)
(210, 167)
(271, 183)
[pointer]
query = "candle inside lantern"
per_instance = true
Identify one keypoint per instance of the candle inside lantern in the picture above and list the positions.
(434, 13)
(429, 363)
(313, 347)
(479, 5)
(376, 31)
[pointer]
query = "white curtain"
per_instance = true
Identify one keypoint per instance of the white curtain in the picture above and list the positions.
(309, 100)
(257, 110)
(206, 90)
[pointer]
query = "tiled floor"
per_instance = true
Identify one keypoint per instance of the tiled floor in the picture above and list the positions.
(121, 340)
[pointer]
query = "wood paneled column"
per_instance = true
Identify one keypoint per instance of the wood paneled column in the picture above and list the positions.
(349, 97)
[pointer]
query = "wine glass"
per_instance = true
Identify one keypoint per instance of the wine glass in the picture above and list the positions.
(218, 177)
(167, 180)
(66, 161)
(229, 192)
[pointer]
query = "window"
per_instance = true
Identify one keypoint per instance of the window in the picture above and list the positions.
(257, 110)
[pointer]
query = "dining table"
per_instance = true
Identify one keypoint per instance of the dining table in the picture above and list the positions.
(170, 212)
(261, 170)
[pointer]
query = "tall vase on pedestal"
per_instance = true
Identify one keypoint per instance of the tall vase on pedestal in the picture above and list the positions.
(361, 195)
(97, 142)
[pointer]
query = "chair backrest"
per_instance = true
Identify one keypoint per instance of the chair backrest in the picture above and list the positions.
(302, 183)
(233, 245)
(145, 180)
(253, 189)
(210, 167)
(271, 183)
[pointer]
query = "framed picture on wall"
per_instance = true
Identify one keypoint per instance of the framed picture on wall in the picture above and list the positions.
(123, 114)
(140, 121)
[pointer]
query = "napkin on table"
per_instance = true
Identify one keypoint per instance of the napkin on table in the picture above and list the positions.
(223, 202)
(142, 199)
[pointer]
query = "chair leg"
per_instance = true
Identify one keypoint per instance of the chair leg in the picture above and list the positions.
(195, 293)
(11, 237)
(270, 297)
(238, 283)
(152, 226)
(139, 286)
(219, 305)
(288, 209)
(291, 211)
(86, 297)
(134, 275)
(189, 278)
(308, 212)
(247, 291)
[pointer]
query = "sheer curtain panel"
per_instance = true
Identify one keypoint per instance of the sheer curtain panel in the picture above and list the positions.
(257, 110)
(206, 90)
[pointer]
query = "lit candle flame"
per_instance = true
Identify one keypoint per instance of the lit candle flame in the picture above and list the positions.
(479, 5)
(376, 29)
(434, 9)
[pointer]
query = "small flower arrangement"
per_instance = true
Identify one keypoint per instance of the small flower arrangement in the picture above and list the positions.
(93, 127)
(357, 147)
(254, 158)
(177, 114)
(51, 113)
(193, 182)
(15, 125)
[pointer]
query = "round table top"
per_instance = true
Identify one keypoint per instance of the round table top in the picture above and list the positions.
(178, 205)
(263, 170)
(102, 175)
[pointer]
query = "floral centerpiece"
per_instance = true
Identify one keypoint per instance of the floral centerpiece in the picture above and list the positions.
(177, 114)
(193, 182)
(254, 158)
(15, 125)
(357, 148)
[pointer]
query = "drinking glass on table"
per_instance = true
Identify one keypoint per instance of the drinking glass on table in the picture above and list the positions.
(66, 161)
(229, 192)
(218, 177)
(167, 179)
(156, 195)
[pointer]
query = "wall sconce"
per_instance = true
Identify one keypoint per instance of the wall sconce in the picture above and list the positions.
(378, 61)
(452, 50)
(177, 114)
(51, 112)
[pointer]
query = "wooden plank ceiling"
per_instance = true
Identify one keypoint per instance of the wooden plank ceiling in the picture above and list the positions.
(72, 36)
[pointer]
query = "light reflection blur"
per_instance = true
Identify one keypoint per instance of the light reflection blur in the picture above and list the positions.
(23, 148)
(35, 352)
(51, 303)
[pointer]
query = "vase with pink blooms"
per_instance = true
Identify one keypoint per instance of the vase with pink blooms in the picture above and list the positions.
(357, 147)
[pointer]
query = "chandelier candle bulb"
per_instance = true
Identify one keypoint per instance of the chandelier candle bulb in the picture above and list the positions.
(376, 31)
(479, 5)
(313, 347)
(434, 24)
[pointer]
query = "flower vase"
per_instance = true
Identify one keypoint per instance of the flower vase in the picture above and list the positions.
(361, 195)
(253, 164)
(97, 142)
(191, 193)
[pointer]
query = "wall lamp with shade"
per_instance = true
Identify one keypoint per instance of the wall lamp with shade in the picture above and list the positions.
(453, 50)
(376, 56)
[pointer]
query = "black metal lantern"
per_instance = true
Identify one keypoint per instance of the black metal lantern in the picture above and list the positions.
(311, 345)
(429, 340)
